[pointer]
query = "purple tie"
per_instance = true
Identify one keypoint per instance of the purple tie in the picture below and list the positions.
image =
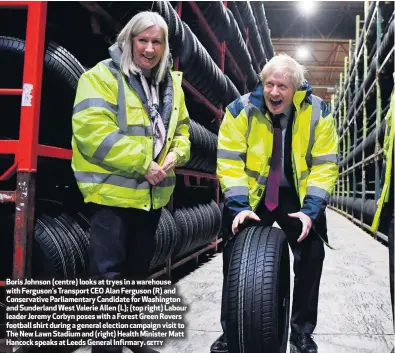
(273, 181)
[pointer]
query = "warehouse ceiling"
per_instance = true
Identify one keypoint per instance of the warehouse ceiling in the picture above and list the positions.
(325, 32)
(322, 29)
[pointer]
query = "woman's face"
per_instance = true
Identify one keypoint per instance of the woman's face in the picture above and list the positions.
(148, 47)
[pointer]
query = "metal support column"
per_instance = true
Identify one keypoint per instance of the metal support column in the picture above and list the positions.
(28, 137)
(365, 74)
(378, 106)
(355, 137)
(347, 137)
(26, 147)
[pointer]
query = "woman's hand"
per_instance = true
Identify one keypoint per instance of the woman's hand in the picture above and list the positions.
(170, 162)
(156, 174)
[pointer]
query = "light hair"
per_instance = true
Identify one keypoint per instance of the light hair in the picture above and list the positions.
(284, 65)
(139, 23)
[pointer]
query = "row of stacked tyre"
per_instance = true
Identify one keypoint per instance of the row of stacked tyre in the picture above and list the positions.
(355, 109)
(203, 148)
(62, 69)
(201, 70)
(189, 227)
(357, 207)
(62, 235)
(386, 16)
(368, 146)
(229, 25)
(61, 240)
(382, 51)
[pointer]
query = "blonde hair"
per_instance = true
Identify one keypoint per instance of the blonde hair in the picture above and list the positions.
(283, 64)
(139, 23)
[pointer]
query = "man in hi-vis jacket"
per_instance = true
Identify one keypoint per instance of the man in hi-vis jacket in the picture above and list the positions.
(278, 162)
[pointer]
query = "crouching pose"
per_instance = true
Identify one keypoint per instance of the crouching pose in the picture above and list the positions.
(277, 162)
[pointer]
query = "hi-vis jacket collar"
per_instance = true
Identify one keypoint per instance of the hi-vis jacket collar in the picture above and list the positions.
(303, 94)
(115, 54)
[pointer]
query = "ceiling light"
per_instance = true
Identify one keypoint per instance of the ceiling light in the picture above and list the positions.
(307, 7)
(302, 53)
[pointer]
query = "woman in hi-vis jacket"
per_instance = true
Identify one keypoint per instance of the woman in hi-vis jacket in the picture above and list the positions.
(130, 130)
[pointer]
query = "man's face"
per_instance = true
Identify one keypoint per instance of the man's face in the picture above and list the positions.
(278, 92)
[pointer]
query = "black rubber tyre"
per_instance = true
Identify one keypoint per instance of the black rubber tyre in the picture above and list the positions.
(258, 292)
(74, 229)
(169, 237)
(61, 70)
(159, 238)
(217, 216)
(182, 230)
(65, 249)
(193, 226)
(173, 237)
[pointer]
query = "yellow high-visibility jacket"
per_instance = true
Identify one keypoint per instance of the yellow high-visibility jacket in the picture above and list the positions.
(245, 142)
(113, 140)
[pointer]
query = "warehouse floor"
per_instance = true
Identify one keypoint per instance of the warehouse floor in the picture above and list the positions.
(354, 309)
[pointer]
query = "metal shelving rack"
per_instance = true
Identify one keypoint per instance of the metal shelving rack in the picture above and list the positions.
(222, 54)
(27, 149)
(358, 109)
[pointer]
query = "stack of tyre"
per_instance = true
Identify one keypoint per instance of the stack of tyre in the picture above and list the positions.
(361, 93)
(357, 207)
(61, 235)
(61, 229)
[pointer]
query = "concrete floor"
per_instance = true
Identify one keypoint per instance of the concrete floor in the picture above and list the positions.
(354, 309)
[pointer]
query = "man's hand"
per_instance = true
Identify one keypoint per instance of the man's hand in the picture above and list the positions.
(241, 218)
(170, 162)
(156, 174)
(306, 221)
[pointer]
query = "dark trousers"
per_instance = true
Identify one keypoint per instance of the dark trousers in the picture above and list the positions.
(122, 242)
(308, 259)
(122, 245)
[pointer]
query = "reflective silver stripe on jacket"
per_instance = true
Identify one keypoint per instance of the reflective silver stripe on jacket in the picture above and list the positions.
(95, 103)
(260, 179)
(236, 190)
(137, 130)
(120, 112)
(121, 116)
(315, 117)
(112, 138)
(118, 180)
(106, 145)
(325, 158)
(316, 191)
(232, 155)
